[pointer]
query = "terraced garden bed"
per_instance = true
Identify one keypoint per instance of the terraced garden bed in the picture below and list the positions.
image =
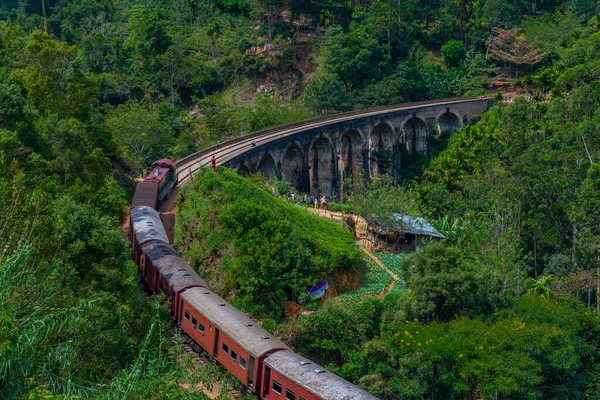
(391, 261)
(373, 284)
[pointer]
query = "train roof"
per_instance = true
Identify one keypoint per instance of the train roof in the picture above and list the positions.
(314, 378)
(232, 322)
(154, 177)
(147, 225)
(166, 161)
(176, 272)
(145, 195)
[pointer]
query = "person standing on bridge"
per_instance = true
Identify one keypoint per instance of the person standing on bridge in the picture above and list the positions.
(213, 162)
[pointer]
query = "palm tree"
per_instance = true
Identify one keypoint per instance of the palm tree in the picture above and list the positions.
(540, 287)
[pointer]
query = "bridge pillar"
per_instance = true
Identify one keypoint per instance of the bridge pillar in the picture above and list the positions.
(397, 154)
(305, 180)
(335, 172)
(430, 135)
(366, 166)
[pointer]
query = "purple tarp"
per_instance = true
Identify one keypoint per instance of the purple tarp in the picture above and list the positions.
(318, 291)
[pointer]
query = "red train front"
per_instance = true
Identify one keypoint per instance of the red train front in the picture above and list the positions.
(164, 175)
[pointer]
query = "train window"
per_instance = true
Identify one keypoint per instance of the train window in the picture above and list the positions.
(186, 315)
(201, 328)
(233, 355)
(302, 398)
(277, 387)
(225, 347)
(194, 322)
(289, 395)
(243, 362)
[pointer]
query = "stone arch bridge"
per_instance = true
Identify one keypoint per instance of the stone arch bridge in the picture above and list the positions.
(317, 156)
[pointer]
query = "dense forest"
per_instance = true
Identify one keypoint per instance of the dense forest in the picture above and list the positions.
(92, 91)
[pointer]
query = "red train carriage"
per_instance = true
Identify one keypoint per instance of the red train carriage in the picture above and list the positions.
(164, 175)
(261, 362)
(144, 226)
(146, 194)
(288, 376)
(228, 335)
(166, 272)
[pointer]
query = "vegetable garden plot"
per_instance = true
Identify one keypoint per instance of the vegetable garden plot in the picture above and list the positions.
(392, 261)
(373, 284)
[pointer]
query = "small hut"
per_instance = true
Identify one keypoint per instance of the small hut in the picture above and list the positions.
(403, 233)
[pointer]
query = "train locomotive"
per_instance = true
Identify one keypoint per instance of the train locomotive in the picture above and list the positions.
(265, 366)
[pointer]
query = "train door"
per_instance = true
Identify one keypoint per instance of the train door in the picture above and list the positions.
(142, 264)
(217, 338)
(251, 363)
(266, 381)
(155, 282)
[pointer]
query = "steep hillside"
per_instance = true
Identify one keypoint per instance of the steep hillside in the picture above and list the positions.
(255, 248)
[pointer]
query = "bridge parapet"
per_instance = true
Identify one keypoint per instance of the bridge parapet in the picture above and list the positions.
(317, 155)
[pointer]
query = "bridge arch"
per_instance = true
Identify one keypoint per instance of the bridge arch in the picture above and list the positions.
(292, 165)
(321, 159)
(448, 120)
(243, 170)
(381, 148)
(267, 166)
(414, 131)
(351, 146)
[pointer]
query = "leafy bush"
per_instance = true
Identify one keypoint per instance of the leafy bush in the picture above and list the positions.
(341, 207)
(338, 329)
(453, 52)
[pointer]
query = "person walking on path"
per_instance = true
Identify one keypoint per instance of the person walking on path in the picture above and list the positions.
(304, 199)
(311, 201)
(213, 162)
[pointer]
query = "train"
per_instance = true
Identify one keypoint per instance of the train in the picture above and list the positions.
(265, 366)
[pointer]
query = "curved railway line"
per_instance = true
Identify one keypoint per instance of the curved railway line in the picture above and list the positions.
(229, 149)
(267, 368)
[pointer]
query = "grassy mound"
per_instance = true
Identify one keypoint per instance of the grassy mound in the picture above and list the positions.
(255, 249)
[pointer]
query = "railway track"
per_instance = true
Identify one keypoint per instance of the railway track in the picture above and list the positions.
(227, 150)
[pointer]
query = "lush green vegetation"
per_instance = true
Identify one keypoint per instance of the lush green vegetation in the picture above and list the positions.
(246, 242)
(505, 307)
(392, 261)
(373, 283)
(526, 347)
(91, 90)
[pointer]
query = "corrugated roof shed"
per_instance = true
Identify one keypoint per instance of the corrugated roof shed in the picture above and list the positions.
(408, 224)
(315, 378)
(232, 322)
